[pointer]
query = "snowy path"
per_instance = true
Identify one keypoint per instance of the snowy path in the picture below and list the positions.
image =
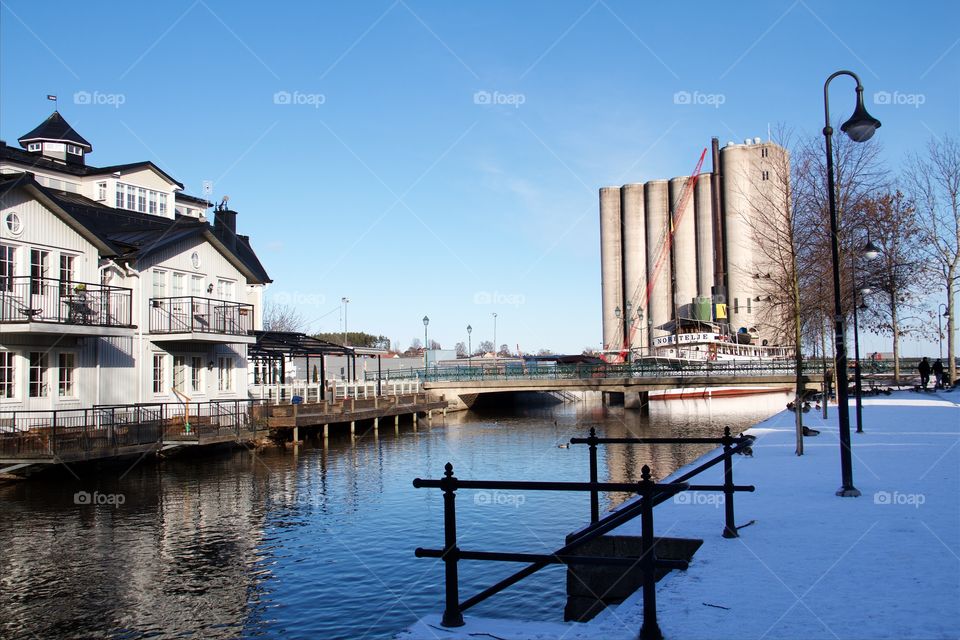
(885, 565)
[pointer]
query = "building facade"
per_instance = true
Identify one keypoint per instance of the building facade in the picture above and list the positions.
(114, 287)
(675, 251)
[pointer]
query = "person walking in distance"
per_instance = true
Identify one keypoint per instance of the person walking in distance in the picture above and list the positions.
(938, 374)
(924, 369)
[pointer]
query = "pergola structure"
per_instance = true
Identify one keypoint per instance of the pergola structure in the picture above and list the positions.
(273, 347)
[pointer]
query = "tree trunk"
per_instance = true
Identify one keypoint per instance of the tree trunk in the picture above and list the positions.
(895, 327)
(951, 322)
(823, 351)
(798, 355)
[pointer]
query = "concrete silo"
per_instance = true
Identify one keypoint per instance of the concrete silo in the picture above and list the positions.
(703, 208)
(611, 267)
(684, 248)
(741, 234)
(634, 233)
(657, 205)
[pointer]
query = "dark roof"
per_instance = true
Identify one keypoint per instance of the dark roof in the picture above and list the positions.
(289, 344)
(131, 234)
(55, 128)
(35, 161)
(185, 197)
(116, 168)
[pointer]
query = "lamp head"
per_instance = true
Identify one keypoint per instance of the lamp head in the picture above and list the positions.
(861, 126)
(870, 251)
(469, 329)
(616, 311)
(426, 320)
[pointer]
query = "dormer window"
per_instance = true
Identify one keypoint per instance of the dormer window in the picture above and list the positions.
(34, 146)
(74, 149)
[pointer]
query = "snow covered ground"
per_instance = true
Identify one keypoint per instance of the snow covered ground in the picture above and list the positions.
(813, 565)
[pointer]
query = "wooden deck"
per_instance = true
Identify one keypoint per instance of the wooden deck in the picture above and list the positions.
(317, 414)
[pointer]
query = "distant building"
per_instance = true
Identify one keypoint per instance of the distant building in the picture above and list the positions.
(114, 288)
(712, 268)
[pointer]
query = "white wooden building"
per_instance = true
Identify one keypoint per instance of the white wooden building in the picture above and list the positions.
(114, 287)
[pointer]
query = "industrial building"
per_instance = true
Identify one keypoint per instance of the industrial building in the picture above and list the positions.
(687, 252)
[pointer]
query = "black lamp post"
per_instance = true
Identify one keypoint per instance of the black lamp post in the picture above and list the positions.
(860, 127)
(469, 346)
(869, 251)
(946, 314)
(426, 345)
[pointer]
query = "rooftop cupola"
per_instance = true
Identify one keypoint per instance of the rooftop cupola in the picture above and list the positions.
(55, 138)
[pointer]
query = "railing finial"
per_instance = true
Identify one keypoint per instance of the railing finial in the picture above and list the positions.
(593, 432)
(645, 473)
(448, 470)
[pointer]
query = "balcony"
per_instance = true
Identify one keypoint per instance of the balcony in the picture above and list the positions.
(201, 319)
(49, 305)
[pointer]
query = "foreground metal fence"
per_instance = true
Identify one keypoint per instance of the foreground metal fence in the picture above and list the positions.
(101, 431)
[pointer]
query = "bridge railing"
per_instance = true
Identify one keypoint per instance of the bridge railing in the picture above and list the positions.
(646, 368)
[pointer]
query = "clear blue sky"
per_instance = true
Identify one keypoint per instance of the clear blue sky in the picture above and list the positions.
(383, 180)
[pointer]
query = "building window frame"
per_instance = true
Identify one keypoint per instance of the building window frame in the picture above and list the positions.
(67, 272)
(39, 269)
(159, 381)
(159, 283)
(8, 266)
(66, 374)
(39, 364)
(225, 373)
(196, 375)
(8, 373)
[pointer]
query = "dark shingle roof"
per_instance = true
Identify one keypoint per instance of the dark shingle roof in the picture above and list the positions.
(55, 128)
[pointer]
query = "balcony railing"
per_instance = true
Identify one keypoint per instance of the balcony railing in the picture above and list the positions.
(190, 314)
(49, 300)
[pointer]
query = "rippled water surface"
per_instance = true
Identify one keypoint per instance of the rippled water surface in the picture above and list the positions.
(316, 541)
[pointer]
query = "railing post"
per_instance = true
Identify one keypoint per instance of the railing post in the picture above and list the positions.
(53, 434)
(451, 554)
(729, 526)
(594, 494)
(650, 629)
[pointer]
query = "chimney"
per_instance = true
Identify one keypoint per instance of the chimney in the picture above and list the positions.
(225, 226)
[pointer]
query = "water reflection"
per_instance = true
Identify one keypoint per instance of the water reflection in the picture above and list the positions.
(317, 542)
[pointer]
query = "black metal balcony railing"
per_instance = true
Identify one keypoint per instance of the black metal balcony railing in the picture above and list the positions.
(49, 300)
(190, 314)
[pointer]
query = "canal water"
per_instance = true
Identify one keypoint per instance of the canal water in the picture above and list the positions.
(318, 542)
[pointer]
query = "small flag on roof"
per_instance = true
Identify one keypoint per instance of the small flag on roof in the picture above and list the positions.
(50, 97)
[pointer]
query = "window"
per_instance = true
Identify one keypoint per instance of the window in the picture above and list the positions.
(66, 366)
(6, 374)
(224, 290)
(14, 224)
(195, 260)
(764, 152)
(162, 202)
(736, 305)
(121, 189)
(158, 373)
(179, 372)
(66, 274)
(225, 374)
(74, 149)
(196, 374)
(177, 288)
(748, 306)
(101, 192)
(39, 264)
(196, 285)
(152, 203)
(33, 146)
(142, 200)
(7, 264)
(159, 283)
(132, 198)
(764, 175)
(38, 374)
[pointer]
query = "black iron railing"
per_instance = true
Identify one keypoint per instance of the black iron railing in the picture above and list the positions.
(48, 300)
(101, 430)
(651, 494)
(191, 314)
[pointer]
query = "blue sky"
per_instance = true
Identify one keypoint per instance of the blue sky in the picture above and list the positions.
(352, 140)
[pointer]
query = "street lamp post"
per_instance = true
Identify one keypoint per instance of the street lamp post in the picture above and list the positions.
(869, 251)
(860, 127)
(345, 302)
(945, 314)
(469, 346)
(494, 339)
(426, 345)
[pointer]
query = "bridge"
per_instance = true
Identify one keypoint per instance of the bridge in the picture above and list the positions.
(463, 385)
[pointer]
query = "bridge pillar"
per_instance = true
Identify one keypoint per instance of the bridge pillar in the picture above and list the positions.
(613, 397)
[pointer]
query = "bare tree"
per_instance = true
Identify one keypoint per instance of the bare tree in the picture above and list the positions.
(282, 317)
(484, 347)
(934, 179)
(504, 351)
(461, 350)
(895, 278)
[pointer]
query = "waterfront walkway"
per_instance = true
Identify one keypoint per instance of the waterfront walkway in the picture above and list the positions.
(885, 565)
